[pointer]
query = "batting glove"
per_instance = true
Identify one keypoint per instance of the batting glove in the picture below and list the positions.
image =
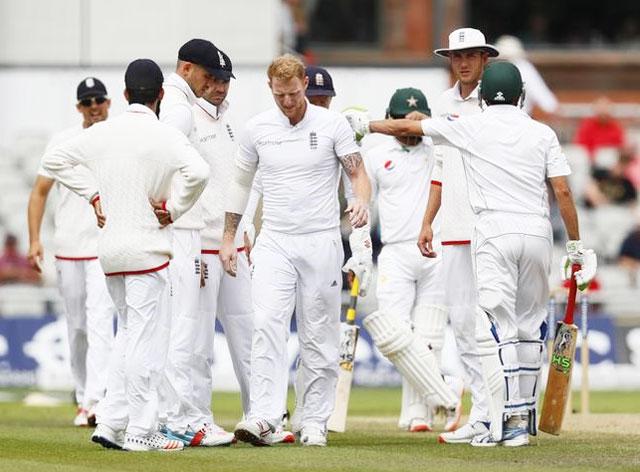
(586, 258)
(358, 119)
(361, 260)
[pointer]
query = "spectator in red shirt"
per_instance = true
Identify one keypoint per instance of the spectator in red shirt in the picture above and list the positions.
(15, 267)
(600, 130)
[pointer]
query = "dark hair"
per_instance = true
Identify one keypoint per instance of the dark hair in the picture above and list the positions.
(142, 96)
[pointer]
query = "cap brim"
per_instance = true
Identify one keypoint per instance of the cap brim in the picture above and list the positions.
(220, 73)
(92, 94)
(320, 93)
(444, 52)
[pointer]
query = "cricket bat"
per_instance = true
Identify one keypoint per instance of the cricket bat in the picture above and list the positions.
(558, 390)
(348, 341)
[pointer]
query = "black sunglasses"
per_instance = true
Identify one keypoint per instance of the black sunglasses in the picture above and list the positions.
(87, 102)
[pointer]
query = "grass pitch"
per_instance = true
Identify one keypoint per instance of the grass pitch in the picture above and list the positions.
(42, 439)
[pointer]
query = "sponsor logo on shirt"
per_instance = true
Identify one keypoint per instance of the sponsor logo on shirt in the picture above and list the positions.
(313, 140)
(277, 142)
(389, 165)
(452, 117)
(206, 139)
(230, 132)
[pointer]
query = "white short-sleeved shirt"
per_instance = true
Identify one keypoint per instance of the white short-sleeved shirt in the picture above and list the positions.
(457, 218)
(76, 231)
(176, 110)
(400, 179)
(299, 167)
(507, 157)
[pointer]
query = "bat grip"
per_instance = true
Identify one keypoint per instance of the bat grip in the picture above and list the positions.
(353, 300)
(571, 299)
(584, 309)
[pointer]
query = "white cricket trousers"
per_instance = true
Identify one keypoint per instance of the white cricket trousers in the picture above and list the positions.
(286, 268)
(188, 342)
(90, 313)
(139, 353)
(512, 257)
(461, 297)
(229, 298)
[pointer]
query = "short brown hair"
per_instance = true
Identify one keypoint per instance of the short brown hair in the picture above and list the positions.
(286, 67)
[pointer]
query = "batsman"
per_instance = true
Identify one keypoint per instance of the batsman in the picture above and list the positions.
(508, 158)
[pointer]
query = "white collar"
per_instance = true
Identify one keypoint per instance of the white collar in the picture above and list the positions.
(474, 94)
(139, 108)
(214, 112)
(307, 113)
(174, 80)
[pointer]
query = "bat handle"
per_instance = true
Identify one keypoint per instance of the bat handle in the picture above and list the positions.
(571, 299)
(584, 309)
(353, 300)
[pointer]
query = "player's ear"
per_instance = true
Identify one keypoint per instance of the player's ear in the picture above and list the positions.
(306, 82)
(126, 95)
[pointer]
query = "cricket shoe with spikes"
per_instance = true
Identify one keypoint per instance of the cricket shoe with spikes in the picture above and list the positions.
(465, 434)
(420, 425)
(516, 431)
(484, 440)
(452, 416)
(108, 437)
(255, 431)
(282, 436)
(313, 436)
(185, 437)
(155, 441)
(212, 435)
(81, 419)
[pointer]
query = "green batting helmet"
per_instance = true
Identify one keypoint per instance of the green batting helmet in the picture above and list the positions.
(406, 100)
(501, 84)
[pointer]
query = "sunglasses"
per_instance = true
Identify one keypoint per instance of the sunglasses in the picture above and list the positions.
(87, 102)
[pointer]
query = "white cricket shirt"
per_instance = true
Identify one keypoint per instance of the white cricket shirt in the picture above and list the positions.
(176, 109)
(217, 145)
(299, 167)
(400, 179)
(457, 218)
(76, 231)
(133, 158)
(507, 157)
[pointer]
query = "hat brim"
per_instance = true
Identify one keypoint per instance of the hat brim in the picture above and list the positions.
(445, 52)
(320, 93)
(92, 94)
(220, 74)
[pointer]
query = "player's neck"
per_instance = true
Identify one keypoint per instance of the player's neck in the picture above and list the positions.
(466, 89)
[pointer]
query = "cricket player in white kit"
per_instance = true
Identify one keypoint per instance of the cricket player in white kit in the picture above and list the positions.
(298, 148)
(409, 286)
(468, 53)
(189, 416)
(508, 158)
(133, 159)
(88, 307)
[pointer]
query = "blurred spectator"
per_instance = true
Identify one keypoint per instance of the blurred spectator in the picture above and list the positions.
(14, 267)
(536, 91)
(629, 257)
(600, 130)
(611, 186)
(631, 159)
(294, 28)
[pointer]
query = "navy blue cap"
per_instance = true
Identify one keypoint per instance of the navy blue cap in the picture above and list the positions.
(143, 74)
(320, 82)
(204, 53)
(91, 87)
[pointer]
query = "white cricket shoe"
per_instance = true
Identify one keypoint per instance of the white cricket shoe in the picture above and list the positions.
(155, 441)
(516, 432)
(452, 416)
(484, 440)
(463, 435)
(282, 436)
(257, 432)
(81, 418)
(313, 436)
(108, 437)
(420, 425)
(212, 435)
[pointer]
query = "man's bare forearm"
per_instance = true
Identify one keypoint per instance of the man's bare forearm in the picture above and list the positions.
(354, 167)
(433, 204)
(567, 207)
(402, 127)
(37, 203)
(231, 223)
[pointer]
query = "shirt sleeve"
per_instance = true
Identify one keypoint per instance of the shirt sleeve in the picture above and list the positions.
(179, 116)
(247, 156)
(436, 174)
(344, 138)
(449, 130)
(556, 161)
(371, 172)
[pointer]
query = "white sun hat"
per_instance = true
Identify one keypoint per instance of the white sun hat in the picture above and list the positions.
(467, 38)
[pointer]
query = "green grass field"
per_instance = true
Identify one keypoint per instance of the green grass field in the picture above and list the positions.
(42, 439)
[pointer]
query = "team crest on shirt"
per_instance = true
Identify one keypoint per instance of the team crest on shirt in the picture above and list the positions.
(313, 140)
(389, 165)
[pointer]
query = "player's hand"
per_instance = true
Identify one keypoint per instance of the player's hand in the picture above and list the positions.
(358, 119)
(161, 212)
(358, 212)
(586, 258)
(229, 257)
(361, 261)
(97, 209)
(36, 256)
(416, 116)
(425, 242)
(249, 237)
